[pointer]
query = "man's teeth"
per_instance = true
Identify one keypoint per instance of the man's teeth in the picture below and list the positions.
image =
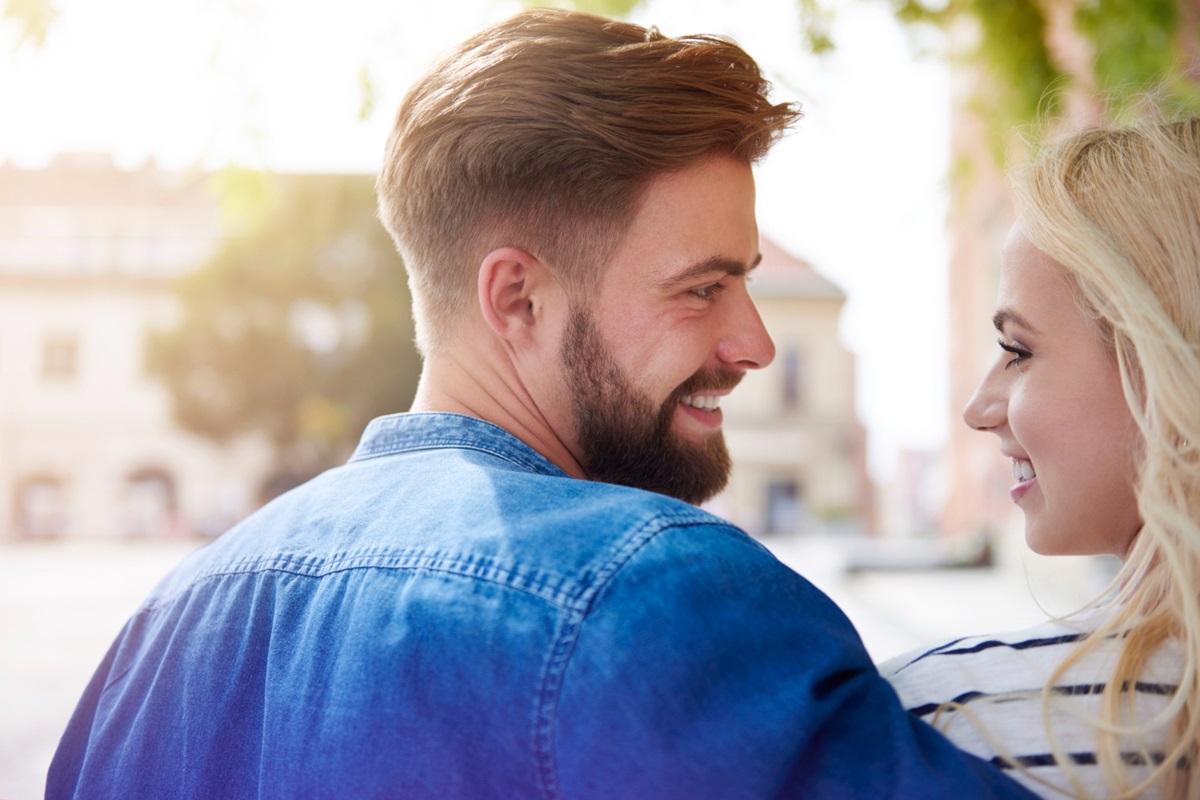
(708, 403)
(1022, 470)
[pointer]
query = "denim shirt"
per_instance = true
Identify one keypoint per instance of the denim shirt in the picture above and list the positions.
(449, 615)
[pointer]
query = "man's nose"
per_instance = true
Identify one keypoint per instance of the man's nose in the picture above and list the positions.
(746, 343)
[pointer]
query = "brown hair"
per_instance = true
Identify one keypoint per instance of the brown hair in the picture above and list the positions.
(542, 132)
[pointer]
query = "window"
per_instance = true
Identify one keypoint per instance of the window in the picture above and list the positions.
(41, 508)
(785, 505)
(149, 503)
(793, 379)
(60, 357)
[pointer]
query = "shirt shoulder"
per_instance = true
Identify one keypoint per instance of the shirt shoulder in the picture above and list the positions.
(479, 508)
(1021, 699)
(984, 649)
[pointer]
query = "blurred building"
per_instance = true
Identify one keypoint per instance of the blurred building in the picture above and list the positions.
(88, 446)
(798, 448)
(978, 478)
(87, 443)
(909, 501)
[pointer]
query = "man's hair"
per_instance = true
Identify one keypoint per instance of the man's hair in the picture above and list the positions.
(542, 132)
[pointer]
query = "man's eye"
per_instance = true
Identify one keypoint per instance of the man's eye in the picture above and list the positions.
(1020, 352)
(708, 292)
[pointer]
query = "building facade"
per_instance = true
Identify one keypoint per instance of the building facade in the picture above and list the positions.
(88, 446)
(798, 448)
(87, 443)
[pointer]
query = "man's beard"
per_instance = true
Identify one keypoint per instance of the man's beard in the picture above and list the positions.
(624, 439)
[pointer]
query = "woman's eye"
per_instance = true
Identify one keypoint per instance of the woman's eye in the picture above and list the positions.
(1020, 352)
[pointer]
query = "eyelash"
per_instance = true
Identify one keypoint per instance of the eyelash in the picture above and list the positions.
(1020, 353)
(708, 293)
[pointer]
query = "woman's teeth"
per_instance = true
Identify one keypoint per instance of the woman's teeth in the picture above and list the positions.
(1022, 470)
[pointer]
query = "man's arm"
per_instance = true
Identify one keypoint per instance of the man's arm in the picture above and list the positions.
(706, 668)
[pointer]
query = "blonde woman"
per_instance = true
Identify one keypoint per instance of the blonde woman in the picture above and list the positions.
(1095, 397)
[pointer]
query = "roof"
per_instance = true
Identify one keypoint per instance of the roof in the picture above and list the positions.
(94, 180)
(782, 274)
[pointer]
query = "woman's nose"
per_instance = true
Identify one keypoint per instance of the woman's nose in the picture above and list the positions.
(988, 407)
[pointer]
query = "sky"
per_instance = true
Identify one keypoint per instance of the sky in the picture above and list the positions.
(858, 189)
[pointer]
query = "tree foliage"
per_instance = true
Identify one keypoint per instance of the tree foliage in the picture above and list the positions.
(1136, 46)
(299, 327)
(605, 8)
(32, 19)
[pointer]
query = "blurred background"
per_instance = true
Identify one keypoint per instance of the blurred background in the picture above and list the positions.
(199, 310)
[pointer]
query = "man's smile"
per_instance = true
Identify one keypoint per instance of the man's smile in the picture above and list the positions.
(707, 402)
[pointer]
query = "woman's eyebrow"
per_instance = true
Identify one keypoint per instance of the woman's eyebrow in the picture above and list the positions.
(1005, 316)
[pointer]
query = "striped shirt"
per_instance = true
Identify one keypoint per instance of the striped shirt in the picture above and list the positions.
(998, 680)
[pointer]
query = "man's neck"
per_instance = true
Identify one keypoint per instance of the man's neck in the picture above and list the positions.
(482, 384)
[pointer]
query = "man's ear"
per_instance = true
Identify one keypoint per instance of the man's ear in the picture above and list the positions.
(513, 288)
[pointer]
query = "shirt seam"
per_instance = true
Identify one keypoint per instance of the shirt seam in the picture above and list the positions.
(546, 718)
(464, 437)
(456, 443)
(545, 586)
(525, 583)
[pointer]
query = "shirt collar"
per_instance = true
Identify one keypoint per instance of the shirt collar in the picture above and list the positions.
(402, 433)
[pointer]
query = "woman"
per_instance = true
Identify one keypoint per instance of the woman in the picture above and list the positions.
(1095, 397)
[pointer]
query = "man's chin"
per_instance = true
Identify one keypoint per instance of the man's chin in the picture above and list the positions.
(702, 468)
(699, 445)
(691, 471)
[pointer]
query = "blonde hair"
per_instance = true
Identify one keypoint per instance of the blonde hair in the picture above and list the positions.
(1119, 209)
(542, 132)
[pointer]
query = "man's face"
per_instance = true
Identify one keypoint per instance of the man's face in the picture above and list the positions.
(670, 331)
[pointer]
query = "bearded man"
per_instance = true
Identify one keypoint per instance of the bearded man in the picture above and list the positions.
(509, 591)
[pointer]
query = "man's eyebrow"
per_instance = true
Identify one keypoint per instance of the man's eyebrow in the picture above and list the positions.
(707, 267)
(1004, 316)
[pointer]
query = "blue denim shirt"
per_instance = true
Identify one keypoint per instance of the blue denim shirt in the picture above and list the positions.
(451, 616)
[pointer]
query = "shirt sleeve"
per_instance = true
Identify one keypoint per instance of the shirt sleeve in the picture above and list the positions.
(705, 668)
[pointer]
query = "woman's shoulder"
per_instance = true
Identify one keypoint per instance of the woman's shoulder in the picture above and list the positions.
(1049, 637)
(993, 695)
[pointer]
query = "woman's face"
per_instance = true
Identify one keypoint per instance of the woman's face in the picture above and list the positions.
(1054, 398)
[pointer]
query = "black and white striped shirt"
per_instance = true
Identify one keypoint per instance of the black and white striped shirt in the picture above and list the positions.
(998, 680)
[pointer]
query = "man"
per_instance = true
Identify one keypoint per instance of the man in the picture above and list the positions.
(486, 601)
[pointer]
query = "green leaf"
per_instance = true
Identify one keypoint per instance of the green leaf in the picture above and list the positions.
(605, 8)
